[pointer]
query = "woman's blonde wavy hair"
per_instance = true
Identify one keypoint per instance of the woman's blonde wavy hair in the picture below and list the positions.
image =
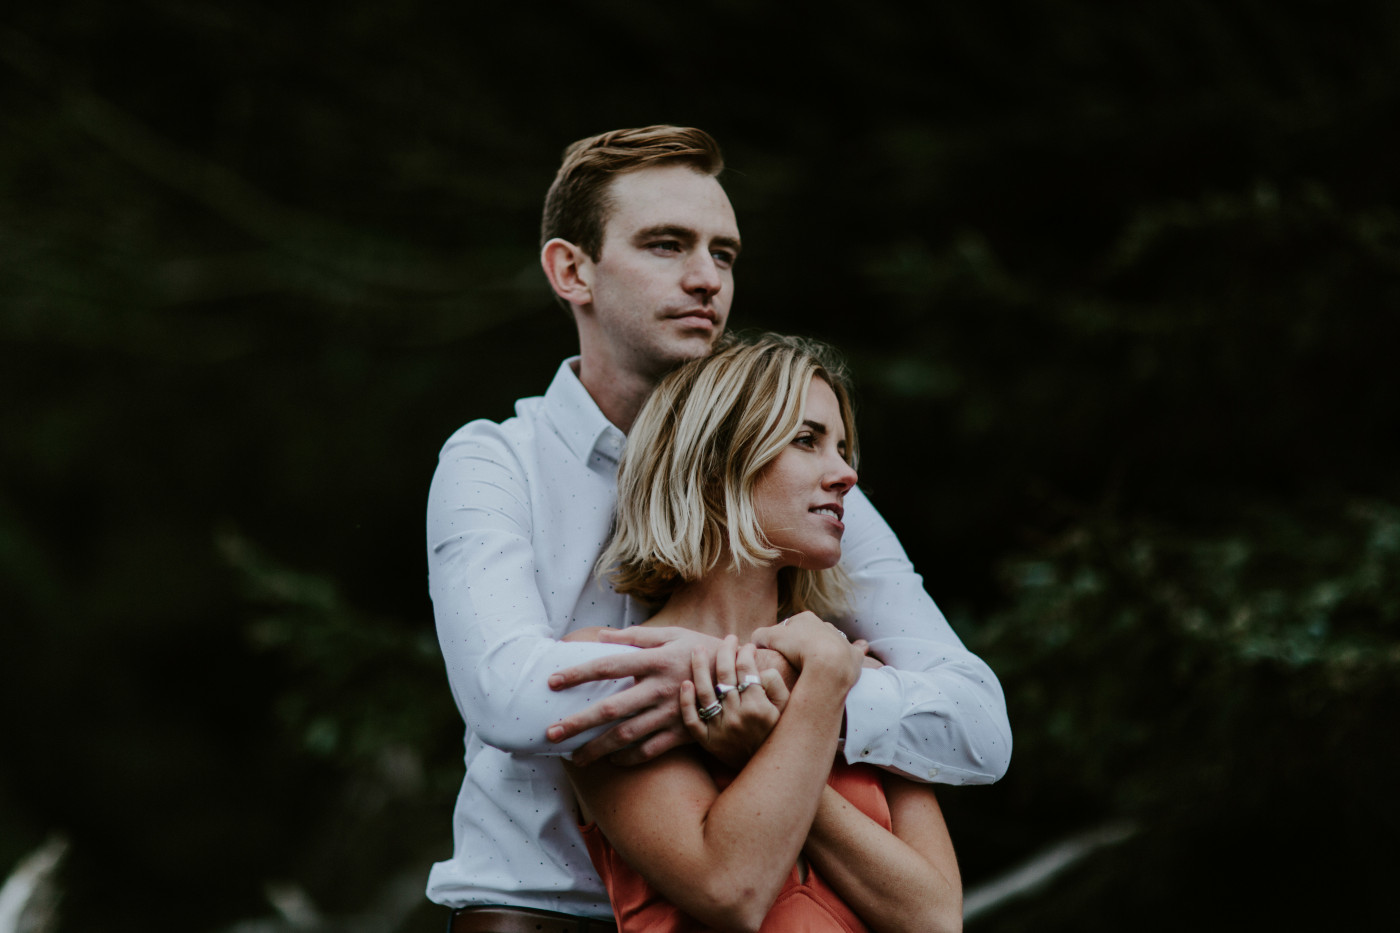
(686, 481)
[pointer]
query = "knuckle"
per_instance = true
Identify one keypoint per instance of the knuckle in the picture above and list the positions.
(606, 745)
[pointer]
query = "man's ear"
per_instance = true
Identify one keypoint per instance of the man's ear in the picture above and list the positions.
(569, 270)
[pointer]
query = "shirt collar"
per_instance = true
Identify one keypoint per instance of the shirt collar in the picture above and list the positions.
(578, 420)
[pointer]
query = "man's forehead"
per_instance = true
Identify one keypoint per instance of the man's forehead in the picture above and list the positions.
(671, 196)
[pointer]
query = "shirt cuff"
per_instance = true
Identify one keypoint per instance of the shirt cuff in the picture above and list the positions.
(873, 709)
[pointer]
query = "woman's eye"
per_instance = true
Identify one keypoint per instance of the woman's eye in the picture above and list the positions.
(806, 440)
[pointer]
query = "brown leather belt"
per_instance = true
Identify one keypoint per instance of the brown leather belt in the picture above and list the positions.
(523, 920)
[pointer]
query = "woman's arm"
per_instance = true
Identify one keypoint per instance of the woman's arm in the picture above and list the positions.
(722, 857)
(907, 880)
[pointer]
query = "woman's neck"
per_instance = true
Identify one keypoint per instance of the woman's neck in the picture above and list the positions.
(725, 602)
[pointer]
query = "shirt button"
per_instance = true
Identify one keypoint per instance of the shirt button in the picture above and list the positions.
(932, 773)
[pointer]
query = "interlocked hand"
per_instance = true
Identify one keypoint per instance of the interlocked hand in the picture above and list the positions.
(733, 726)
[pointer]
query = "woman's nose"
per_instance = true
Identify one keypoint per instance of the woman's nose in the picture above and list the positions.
(842, 478)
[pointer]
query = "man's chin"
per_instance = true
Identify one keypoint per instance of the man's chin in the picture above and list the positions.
(695, 346)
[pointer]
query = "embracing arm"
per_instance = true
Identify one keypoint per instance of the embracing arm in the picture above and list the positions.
(936, 712)
(498, 638)
(722, 857)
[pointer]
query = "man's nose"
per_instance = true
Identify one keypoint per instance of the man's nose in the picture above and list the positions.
(702, 275)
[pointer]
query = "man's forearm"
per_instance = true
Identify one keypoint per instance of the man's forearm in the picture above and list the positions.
(947, 725)
(936, 712)
(504, 696)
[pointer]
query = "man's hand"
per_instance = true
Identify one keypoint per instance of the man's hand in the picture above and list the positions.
(647, 714)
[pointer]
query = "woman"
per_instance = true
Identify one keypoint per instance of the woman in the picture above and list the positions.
(729, 518)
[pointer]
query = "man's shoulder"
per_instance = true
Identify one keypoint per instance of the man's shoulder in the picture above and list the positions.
(501, 441)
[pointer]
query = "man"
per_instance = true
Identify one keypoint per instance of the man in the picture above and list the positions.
(640, 241)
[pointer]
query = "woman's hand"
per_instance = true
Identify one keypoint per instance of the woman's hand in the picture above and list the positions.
(747, 712)
(809, 643)
(867, 660)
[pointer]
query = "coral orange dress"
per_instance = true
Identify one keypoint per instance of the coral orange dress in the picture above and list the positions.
(809, 905)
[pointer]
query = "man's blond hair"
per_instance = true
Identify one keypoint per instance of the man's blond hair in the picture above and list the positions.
(695, 452)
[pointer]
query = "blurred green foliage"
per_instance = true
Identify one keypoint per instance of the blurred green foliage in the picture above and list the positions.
(1228, 693)
(1119, 287)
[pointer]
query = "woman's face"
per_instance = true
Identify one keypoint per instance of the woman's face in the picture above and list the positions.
(799, 496)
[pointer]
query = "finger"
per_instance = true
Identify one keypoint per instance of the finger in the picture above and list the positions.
(641, 636)
(608, 667)
(746, 663)
(746, 669)
(624, 734)
(690, 713)
(784, 639)
(656, 744)
(762, 636)
(725, 661)
(700, 675)
(774, 687)
(618, 706)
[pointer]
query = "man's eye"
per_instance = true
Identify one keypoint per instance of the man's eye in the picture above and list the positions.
(667, 246)
(723, 257)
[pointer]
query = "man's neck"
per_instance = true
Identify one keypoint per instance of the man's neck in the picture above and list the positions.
(618, 393)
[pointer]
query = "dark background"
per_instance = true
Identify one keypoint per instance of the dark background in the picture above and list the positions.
(1119, 286)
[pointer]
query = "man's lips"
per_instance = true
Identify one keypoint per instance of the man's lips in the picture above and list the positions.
(697, 314)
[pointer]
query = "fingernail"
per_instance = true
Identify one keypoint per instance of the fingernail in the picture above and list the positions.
(555, 733)
(555, 681)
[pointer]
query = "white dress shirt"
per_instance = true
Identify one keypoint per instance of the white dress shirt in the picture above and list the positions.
(517, 515)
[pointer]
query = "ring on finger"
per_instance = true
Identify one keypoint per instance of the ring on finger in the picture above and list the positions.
(723, 690)
(706, 713)
(750, 680)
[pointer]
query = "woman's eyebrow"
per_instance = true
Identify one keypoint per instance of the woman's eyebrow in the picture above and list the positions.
(819, 428)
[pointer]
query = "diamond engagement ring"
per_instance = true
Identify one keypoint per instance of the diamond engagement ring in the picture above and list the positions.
(709, 712)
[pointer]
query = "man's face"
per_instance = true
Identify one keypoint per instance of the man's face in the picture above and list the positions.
(664, 279)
